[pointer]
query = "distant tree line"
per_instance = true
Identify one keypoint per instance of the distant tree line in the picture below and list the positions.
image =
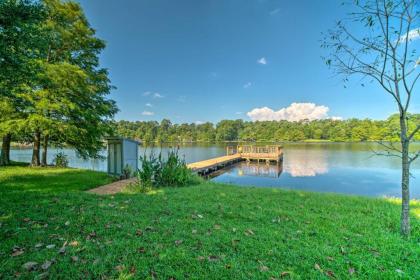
(233, 130)
(52, 88)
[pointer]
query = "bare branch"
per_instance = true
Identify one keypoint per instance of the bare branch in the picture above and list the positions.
(413, 158)
(414, 132)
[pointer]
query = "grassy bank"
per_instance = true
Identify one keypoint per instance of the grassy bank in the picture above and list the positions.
(208, 231)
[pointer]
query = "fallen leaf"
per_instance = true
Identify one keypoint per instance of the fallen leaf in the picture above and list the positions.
(235, 242)
(46, 265)
(351, 270)
(75, 258)
(26, 220)
(317, 267)
(91, 235)
(133, 270)
(39, 245)
(213, 258)
(284, 274)
(263, 268)
(249, 232)
(74, 243)
(67, 223)
(139, 232)
(29, 266)
(330, 258)
(200, 258)
(217, 226)
(51, 246)
(43, 275)
(194, 231)
(342, 250)
(17, 251)
(228, 266)
(119, 268)
(330, 273)
(141, 250)
(178, 242)
(399, 271)
(199, 216)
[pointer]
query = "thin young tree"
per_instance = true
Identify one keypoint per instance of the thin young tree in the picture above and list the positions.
(377, 41)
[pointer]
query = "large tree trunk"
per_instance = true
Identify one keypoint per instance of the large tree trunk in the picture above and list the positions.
(36, 149)
(45, 150)
(5, 150)
(405, 182)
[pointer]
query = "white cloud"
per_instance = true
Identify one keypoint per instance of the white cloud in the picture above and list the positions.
(153, 94)
(262, 61)
(148, 105)
(295, 112)
(247, 85)
(199, 122)
(412, 35)
(147, 113)
(275, 11)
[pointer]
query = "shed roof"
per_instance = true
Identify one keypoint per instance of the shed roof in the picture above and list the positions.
(122, 139)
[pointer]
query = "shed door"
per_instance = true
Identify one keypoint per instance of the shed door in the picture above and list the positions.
(118, 158)
(111, 158)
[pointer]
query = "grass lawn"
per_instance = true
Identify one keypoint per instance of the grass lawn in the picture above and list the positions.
(209, 231)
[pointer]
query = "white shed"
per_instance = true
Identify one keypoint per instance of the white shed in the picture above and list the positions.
(122, 152)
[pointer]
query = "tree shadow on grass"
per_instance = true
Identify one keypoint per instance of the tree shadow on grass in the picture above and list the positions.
(50, 179)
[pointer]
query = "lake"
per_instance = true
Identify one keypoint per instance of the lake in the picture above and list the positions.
(349, 168)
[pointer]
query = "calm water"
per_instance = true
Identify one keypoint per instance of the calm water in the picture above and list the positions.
(347, 168)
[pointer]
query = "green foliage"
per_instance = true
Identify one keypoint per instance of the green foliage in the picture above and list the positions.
(208, 231)
(169, 171)
(173, 171)
(227, 130)
(51, 82)
(127, 172)
(146, 175)
(61, 160)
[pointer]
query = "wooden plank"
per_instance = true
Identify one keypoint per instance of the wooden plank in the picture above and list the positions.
(205, 164)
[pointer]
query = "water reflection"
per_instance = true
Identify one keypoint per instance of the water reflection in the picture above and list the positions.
(328, 167)
(261, 169)
(307, 163)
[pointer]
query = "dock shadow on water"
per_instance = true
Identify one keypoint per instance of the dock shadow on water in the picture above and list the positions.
(244, 168)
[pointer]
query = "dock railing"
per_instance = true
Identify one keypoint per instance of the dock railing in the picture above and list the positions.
(255, 151)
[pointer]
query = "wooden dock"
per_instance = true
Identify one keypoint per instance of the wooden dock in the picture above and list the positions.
(236, 154)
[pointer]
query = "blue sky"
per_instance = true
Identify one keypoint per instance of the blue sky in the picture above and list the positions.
(196, 61)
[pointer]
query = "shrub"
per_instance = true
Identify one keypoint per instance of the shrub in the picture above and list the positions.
(61, 160)
(171, 171)
(127, 172)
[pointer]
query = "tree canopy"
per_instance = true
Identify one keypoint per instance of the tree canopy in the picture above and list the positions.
(232, 130)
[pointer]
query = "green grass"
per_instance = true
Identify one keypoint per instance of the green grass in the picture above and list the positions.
(209, 231)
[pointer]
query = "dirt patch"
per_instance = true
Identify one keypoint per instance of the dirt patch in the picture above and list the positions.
(112, 188)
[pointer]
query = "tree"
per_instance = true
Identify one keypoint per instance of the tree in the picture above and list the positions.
(385, 53)
(19, 45)
(68, 103)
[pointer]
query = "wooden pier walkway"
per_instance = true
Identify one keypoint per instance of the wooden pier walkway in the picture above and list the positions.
(237, 154)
